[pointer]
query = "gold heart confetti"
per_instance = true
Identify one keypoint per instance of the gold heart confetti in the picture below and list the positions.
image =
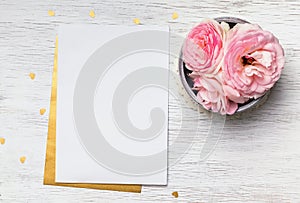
(92, 14)
(22, 159)
(51, 13)
(175, 194)
(32, 76)
(136, 21)
(42, 111)
(174, 15)
(2, 140)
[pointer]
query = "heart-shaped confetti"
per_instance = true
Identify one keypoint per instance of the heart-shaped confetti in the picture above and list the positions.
(51, 13)
(2, 140)
(175, 194)
(22, 159)
(136, 21)
(42, 111)
(174, 15)
(92, 14)
(32, 76)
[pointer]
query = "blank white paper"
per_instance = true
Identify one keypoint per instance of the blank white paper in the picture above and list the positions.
(112, 104)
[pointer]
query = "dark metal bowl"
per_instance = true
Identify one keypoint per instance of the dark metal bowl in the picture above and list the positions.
(188, 82)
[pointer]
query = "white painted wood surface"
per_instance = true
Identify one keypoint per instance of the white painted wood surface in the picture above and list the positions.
(257, 159)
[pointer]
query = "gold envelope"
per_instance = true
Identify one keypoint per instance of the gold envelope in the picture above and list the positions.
(49, 172)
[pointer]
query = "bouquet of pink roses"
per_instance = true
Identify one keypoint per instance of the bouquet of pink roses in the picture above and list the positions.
(231, 66)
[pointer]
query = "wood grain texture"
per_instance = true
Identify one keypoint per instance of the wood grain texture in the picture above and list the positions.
(257, 159)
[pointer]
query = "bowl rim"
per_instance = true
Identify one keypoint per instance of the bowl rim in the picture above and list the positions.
(242, 107)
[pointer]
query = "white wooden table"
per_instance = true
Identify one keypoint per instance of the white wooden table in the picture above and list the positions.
(257, 158)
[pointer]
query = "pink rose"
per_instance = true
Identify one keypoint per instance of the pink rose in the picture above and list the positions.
(211, 94)
(253, 61)
(203, 47)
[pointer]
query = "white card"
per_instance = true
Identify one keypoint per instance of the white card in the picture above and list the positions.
(112, 104)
